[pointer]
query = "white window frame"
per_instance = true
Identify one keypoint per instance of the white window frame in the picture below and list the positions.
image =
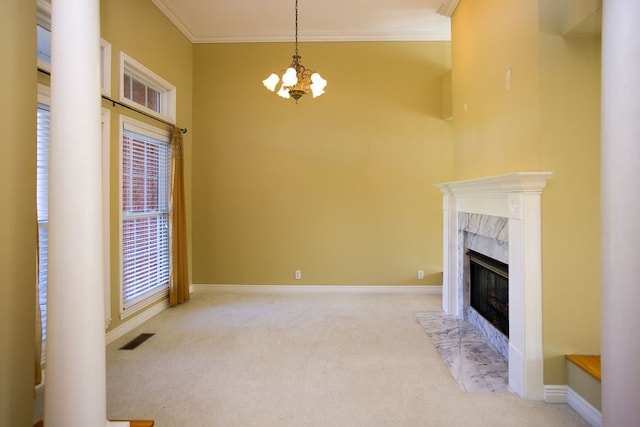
(106, 203)
(105, 67)
(143, 74)
(153, 132)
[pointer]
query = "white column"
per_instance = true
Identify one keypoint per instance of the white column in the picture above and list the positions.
(75, 392)
(620, 208)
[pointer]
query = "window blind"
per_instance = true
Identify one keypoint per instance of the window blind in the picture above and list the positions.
(145, 216)
(42, 204)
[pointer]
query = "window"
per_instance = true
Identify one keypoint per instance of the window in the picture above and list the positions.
(145, 215)
(43, 29)
(44, 44)
(143, 89)
(42, 203)
(138, 92)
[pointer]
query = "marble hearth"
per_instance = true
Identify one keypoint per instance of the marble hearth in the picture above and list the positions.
(501, 216)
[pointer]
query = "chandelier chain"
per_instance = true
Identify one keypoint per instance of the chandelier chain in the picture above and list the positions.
(296, 28)
(296, 80)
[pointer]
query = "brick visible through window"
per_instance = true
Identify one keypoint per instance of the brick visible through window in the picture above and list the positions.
(142, 94)
(145, 216)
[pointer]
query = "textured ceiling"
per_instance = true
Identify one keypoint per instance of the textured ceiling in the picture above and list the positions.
(225, 21)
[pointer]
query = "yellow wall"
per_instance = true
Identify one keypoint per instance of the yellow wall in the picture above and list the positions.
(18, 213)
(570, 138)
(141, 31)
(548, 120)
(499, 131)
(339, 187)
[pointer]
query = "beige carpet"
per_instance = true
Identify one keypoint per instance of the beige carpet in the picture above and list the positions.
(300, 359)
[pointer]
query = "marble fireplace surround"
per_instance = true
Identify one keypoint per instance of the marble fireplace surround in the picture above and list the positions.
(515, 196)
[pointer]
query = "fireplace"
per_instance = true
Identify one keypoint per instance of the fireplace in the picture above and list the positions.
(489, 289)
(516, 197)
(484, 257)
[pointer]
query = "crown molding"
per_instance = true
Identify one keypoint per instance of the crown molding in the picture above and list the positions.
(175, 18)
(356, 36)
(448, 7)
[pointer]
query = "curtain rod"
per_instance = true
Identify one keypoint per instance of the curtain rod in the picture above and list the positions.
(114, 102)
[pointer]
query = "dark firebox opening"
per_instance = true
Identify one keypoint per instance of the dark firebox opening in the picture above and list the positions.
(489, 289)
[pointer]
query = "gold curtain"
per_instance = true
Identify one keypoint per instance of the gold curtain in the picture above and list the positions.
(38, 332)
(179, 276)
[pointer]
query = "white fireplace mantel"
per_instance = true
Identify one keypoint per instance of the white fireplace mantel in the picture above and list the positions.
(515, 196)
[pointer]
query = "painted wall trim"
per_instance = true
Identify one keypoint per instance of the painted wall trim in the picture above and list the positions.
(584, 408)
(129, 325)
(565, 394)
(556, 393)
(190, 33)
(400, 289)
(343, 36)
(448, 7)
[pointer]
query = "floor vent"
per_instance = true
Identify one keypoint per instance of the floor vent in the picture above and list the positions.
(134, 343)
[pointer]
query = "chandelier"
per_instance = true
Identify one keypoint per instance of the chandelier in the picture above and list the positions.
(296, 80)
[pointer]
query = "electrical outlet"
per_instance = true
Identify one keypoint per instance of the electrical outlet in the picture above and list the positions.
(420, 274)
(298, 274)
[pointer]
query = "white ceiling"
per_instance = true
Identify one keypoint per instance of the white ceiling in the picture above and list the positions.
(230, 21)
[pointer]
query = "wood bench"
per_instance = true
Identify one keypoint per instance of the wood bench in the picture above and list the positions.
(141, 423)
(589, 364)
(584, 382)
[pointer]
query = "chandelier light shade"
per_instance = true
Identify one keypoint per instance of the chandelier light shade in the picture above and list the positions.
(296, 80)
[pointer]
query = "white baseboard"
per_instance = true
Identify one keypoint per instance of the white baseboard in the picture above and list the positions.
(565, 394)
(584, 408)
(364, 289)
(556, 393)
(136, 321)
